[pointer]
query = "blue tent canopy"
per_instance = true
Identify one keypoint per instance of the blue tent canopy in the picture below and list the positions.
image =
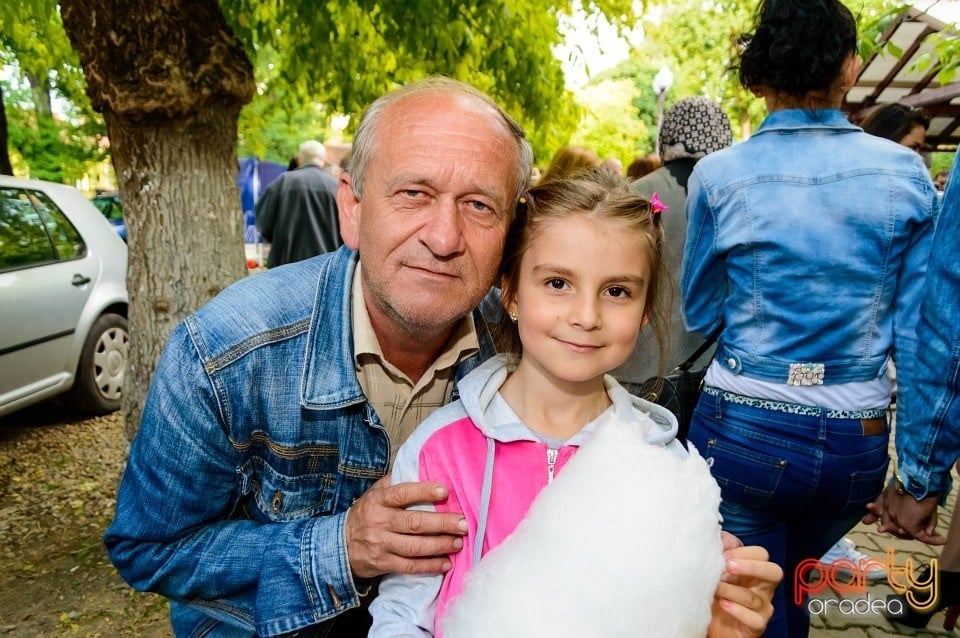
(253, 178)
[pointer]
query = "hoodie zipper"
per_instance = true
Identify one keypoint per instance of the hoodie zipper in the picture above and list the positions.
(551, 463)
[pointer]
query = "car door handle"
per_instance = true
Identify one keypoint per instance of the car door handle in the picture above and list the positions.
(79, 280)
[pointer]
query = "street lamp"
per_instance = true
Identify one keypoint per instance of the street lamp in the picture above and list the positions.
(662, 82)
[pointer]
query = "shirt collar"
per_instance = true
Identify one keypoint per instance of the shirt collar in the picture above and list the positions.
(462, 343)
(802, 119)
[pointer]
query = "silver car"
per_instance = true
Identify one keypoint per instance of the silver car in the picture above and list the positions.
(63, 299)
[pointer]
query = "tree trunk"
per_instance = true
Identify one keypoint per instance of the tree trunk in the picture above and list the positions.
(5, 167)
(41, 95)
(170, 78)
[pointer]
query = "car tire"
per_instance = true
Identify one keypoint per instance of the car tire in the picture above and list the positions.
(103, 363)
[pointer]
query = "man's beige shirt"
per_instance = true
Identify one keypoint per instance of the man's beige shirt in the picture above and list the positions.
(400, 403)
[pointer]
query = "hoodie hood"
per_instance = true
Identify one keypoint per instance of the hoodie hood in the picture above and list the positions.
(483, 403)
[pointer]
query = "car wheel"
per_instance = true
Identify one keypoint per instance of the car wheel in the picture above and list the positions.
(103, 362)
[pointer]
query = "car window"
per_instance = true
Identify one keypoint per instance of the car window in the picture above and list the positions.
(23, 238)
(66, 240)
(33, 231)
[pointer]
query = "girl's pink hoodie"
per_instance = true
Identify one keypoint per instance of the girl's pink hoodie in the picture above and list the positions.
(493, 467)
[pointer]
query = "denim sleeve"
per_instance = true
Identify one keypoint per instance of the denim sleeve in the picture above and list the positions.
(173, 534)
(928, 420)
(406, 604)
(703, 280)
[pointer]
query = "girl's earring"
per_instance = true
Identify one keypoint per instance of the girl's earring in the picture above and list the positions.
(513, 317)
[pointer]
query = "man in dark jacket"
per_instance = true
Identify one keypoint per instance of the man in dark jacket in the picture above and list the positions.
(297, 214)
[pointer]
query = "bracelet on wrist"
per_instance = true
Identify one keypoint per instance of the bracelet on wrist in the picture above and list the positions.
(898, 483)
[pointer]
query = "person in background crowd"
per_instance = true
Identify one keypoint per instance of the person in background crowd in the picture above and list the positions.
(568, 161)
(643, 165)
(808, 242)
(535, 176)
(692, 128)
(940, 181)
(929, 443)
(297, 214)
(614, 165)
(900, 123)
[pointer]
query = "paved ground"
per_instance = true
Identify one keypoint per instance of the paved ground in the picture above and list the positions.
(871, 624)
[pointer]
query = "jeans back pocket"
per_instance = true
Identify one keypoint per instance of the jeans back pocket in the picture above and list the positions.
(746, 477)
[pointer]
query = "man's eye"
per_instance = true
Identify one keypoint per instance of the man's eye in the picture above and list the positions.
(479, 206)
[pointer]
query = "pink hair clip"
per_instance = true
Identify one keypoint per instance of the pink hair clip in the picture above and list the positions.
(657, 206)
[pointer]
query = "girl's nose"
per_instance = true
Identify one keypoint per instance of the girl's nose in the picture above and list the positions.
(585, 313)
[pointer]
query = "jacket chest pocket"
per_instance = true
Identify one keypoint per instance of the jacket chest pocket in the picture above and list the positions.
(267, 494)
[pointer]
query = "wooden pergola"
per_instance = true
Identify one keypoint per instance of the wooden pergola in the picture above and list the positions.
(885, 78)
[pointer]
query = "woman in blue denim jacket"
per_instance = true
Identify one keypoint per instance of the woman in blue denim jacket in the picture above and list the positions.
(809, 243)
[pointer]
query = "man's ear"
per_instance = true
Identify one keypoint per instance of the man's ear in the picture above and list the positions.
(348, 211)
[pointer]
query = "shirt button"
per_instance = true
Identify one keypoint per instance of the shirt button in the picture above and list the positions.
(731, 363)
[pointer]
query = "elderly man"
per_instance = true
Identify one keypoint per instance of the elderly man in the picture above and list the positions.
(297, 214)
(251, 496)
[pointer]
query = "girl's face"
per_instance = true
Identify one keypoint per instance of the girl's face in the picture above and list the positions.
(580, 297)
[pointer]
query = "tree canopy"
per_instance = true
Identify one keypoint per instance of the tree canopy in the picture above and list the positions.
(312, 62)
(344, 55)
(698, 41)
(170, 78)
(41, 67)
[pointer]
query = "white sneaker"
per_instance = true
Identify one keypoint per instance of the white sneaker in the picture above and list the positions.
(846, 549)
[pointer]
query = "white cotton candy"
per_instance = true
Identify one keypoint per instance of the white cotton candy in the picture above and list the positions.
(624, 542)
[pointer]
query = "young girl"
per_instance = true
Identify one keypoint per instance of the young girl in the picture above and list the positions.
(580, 277)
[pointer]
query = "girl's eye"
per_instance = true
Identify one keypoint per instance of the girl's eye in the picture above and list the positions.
(556, 283)
(618, 292)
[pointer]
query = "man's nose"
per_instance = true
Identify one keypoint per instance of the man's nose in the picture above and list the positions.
(442, 232)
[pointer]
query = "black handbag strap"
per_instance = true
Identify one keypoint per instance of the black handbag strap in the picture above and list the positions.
(711, 339)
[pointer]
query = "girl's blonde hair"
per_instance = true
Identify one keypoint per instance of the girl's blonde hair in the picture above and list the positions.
(600, 194)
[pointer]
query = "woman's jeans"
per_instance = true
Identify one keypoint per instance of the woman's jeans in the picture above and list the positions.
(792, 483)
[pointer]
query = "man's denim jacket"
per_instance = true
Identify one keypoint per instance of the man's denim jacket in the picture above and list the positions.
(810, 241)
(255, 440)
(929, 445)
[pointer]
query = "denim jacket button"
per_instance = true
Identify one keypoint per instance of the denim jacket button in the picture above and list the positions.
(731, 363)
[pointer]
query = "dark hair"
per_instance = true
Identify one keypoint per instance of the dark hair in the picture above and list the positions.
(894, 121)
(797, 46)
(597, 193)
(643, 165)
